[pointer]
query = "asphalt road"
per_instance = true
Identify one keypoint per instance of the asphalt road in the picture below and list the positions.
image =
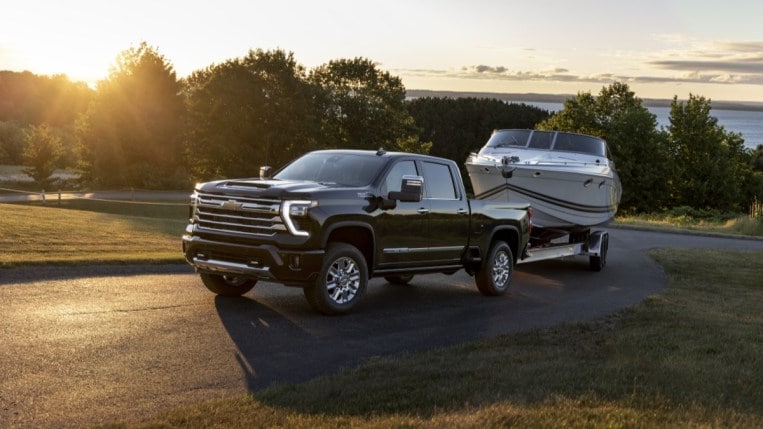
(87, 345)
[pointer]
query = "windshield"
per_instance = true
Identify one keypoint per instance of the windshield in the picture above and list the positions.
(506, 138)
(580, 143)
(347, 169)
(548, 140)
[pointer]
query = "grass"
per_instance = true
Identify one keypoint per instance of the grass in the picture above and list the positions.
(739, 225)
(688, 357)
(35, 234)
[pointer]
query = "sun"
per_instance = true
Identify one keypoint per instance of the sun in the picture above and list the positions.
(66, 40)
(77, 63)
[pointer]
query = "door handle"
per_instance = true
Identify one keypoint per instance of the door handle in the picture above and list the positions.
(423, 210)
(462, 211)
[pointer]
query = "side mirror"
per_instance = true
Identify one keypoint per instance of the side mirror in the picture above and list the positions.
(265, 172)
(411, 190)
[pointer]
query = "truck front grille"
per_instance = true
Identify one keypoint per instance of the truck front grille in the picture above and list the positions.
(239, 215)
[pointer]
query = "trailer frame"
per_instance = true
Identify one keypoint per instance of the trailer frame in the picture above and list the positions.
(595, 245)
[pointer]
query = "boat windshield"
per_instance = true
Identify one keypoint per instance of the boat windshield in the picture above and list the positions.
(345, 169)
(506, 138)
(548, 140)
(580, 143)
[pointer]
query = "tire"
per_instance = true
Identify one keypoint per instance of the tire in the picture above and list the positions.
(597, 263)
(227, 285)
(494, 275)
(402, 279)
(341, 281)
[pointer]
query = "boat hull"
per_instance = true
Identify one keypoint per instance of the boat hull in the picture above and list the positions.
(565, 197)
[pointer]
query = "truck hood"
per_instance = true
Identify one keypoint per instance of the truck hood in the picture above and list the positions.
(258, 188)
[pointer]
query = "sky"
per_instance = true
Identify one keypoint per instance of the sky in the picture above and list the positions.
(660, 48)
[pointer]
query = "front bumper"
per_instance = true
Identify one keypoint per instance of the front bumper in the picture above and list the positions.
(264, 262)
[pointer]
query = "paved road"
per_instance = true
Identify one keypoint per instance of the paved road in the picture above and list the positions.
(88, 345)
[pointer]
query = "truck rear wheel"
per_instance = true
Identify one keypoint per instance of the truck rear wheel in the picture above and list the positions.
(341, 281)
(494, 275)
(227, 285)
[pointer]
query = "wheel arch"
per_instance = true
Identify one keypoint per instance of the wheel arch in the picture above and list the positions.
(357, 234)
(507, 233)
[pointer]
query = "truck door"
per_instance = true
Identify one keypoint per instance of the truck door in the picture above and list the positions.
(401, 232)
(448, 221)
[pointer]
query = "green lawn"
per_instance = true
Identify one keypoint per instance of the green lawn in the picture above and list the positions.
(741, 225)
(34, 234)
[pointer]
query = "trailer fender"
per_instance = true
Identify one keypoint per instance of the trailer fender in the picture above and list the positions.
(594, 246)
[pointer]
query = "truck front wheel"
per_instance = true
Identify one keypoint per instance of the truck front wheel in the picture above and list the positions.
(227, 285)
(494, 275)
(341, 281)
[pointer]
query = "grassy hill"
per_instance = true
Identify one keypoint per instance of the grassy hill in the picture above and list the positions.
(53, 235)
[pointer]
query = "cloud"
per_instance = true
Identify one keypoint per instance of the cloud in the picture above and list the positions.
(728, 63)
(502, 73)
(755, 67)
(717, 62)
(754, 47)
(489, 69)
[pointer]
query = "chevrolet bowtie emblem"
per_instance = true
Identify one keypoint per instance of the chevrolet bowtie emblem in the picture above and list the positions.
(232, 205)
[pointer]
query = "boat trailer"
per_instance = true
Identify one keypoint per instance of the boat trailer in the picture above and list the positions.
(593, 245)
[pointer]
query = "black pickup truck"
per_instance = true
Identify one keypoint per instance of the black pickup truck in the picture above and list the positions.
(330, 220)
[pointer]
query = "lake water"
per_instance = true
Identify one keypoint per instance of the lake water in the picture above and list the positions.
(748, 123)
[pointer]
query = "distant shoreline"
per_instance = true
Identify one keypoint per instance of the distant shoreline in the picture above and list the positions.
(559, 98)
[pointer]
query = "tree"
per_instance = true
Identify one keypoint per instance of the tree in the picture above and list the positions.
(756, 159)
(43, 148)
(131, 134)
(247, 112)
(31, 99)
(363, 107)
(711, 165)
(12, 142)
(638, 149)
(457, 126)
(27, 100)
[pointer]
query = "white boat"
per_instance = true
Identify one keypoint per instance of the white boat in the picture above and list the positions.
(567, 178)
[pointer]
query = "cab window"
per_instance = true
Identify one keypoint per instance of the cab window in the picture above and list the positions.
(438, 182)
(395, 176)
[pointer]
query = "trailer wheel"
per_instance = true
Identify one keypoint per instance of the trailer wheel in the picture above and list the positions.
(494, 275)
(227, 285)
(597, 263)
(341, 281)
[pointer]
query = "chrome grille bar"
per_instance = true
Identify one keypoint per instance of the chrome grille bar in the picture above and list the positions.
(240, 215)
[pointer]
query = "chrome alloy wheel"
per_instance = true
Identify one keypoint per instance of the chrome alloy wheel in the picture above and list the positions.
(501, 269)
(343, 280)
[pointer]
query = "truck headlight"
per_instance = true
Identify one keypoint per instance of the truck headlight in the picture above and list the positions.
(296, 209)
